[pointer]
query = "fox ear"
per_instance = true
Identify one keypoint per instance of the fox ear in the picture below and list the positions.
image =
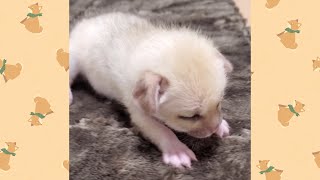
(228, 66)
(315, 153)
(148, 91)
(226, 63)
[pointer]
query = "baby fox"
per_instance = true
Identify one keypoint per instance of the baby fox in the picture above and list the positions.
(168, 78)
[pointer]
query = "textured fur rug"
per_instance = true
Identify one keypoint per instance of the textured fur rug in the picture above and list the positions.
(103, 144)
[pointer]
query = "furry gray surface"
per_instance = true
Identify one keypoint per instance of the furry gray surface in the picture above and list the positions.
(103, 144)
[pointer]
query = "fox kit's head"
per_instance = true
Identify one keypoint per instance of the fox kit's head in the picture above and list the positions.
(294, 24)
(185, 91)
(35, 8)
(263, 164)
(12, 146)
(299, 106)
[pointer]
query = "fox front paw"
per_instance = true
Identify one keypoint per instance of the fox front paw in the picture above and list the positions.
(178, 155)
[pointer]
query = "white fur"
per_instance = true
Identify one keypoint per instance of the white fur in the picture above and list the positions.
(113, 50)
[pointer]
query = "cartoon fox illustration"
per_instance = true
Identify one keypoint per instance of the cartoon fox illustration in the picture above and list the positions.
(31, 22)
(270, 172)
(41, 111)
(286, 112)
(6, 154)
(63, 59)
(8, 71)
(288, 37)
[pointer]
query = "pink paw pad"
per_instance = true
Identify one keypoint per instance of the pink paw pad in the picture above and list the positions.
(179, 156)
(223, 129)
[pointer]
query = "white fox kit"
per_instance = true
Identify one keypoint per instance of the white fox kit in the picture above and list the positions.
(166, 77)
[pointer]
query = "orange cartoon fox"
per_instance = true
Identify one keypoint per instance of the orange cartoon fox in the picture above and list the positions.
(8, 71)
(270, 172)
(31, 22)
(6, 154)
(63, 59)
(41, 111)
(286, 112)
(288, 37)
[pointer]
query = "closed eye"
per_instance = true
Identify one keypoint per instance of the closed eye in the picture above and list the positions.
(194, 117)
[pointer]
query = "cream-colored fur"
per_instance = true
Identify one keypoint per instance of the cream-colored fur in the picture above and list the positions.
(172, 76)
